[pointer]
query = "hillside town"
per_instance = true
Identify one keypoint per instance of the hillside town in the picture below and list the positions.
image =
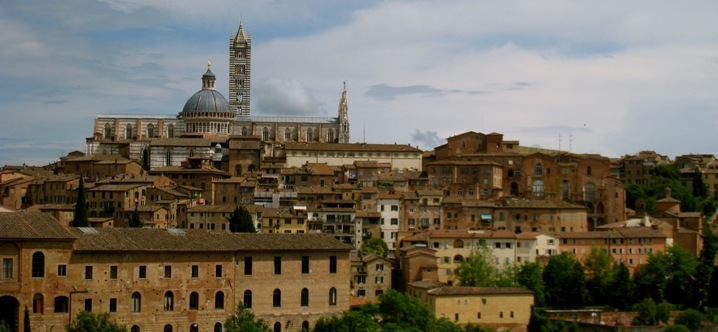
(144, 224)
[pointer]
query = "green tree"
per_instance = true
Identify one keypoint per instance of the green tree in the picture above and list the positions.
(663, 312)
(376, 246)
(135, 219)
(81, 219)
(4, 328)
(529, 276)
(706, 267)
(622, 289)
(680, 288)
(677, 328)
(26, 321)
(241, 221)
(599, 272)
(89, 322)
(565, 281)
(651, 278)
(691, 318)
(478, 270)
(243, 320)
(647, 312)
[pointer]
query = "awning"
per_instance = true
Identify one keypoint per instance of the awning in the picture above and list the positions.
(485, 217)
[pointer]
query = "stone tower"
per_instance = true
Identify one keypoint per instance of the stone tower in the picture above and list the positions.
(344, 117)
(240, 64)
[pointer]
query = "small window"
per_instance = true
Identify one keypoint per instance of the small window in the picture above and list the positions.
(219, 300)
(277, 298)
(248, 265)
(88, 272)
(38, 265)
(62, 270)
(88, 305)
(136, 302)
(113, 305)
(38, 303)
(168, 272)
(7, 267)
(61, 304)
(380, 267)
(277, 265)
(332, 264)
(195, 271)
(218, 271)
(248, 299)
(305, 264)
(304, 300)
(194, 301)
(169, 301)
(333, 296)
(142, 272)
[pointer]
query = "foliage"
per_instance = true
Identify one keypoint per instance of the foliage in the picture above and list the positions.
(623, 289)
(706, 267)
(81, 219)
(529, 276)
(599, 274)
(669, 275)
(4, 328)
(565, 281)
(241, 221)
(26, 321)
(376, 246)
(677, 328)
(691, 318)
(89, 322)
(244, 320)
(479, 270)
(135, 219)
(667, 176)
(663, 312)
(647, 312)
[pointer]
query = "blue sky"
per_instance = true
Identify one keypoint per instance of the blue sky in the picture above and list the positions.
(607, 77)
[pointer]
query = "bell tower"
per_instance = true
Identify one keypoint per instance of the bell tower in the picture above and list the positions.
(240, 63)
(343, 117)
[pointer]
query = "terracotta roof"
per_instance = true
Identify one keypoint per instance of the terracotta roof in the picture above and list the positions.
(116, 187)
(182, 240)
(24, 225)
(303, 146)
(449, 290)
(426, 284)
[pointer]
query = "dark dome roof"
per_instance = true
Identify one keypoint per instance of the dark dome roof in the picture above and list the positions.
(206, 100)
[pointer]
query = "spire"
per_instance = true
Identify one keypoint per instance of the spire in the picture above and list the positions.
(343, 116)
(208, 78)
(241, 38)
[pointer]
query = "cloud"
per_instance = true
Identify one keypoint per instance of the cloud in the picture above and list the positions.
(385, 92)
(284, 97)
(427, 140)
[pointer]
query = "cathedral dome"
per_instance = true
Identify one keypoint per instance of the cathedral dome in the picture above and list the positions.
(208, 99)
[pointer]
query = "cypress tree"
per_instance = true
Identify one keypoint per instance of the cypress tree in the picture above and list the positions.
(81, 207)
(135, 220)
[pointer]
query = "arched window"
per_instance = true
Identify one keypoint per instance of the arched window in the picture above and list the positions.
(38, 265)
(168, 328)
(218, 327)
(244, 131)
(150, 130)
(169, 301)
(128, 131)
(305, 298)
(277, 298)
(168, 157)
(287, 134)
(171, 131)
(194, 301)
(136, 302)
(538, 189)
(305, 325)
(61, 304)
(219, 300)
(194, 328)
(265, 134)
(38, 303)
(458, 258)
(108, 131)
(458, 244)
(135, 328)
(589, 192)
(277, 327)
(330, 136)
(309, 135)
(539, 169)
(333, 296)
(248, 298)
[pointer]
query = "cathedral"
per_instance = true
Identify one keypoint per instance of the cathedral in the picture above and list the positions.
(208, 121)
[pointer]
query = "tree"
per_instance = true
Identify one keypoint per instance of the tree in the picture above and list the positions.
(622, 289)
(706, 269)
(691, 318)
(650, 279)
(529, 276)
(565, 281)
(89, 322)
(677, 328)
(599, 275)
(81, 219)
(680, 288)
(26, 321)
(478, 270)
(243, 320)
(647, 311)
(376, 246)
(663, 312)
(241, 221)
(135, 219)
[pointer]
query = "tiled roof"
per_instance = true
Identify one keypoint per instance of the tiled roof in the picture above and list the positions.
(116, 187)
(23, 225)
(426, 284)
(449, 290)
(303, 146)
(160, 240)
(538, 204)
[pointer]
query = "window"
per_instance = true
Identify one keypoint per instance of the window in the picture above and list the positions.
(287, 134)
(150, 130)
(218, 327)
(277, 265)
(332, 264)
(136, 302)
(305, 325)
(378, 292)
(62, 270)
(538, 189)
(194, 301)
(248, 298)
(305, 264)
(169, 301)
(61, 304)
(128, 132)
(304, 298)
(108, 131)
(248, 266)
(219, 300)
(277, 327)
(333, 296)
(277, 298)
(265, 134)
(380, 267)
(88, 272)
(7, 268)
(168, 272)
(38, 265)
(589, 192)
(379, 280)
(113, 305)
(539, 169)
(88, 305)
(135, 328)
(167, 328)
(38, 303)
(195, 271)
(218, 271)
(142, 272)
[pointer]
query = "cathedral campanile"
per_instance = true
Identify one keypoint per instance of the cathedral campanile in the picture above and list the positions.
(240, 62)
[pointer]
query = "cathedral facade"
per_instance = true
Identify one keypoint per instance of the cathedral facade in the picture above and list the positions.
(208, 120)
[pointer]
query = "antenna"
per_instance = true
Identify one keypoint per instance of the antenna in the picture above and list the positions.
(364, 133)
(559, 142)
(570, 140)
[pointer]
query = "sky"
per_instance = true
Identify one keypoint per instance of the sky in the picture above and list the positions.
(606, 77)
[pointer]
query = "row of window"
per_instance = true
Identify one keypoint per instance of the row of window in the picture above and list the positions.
(129, 132)
(38, 268)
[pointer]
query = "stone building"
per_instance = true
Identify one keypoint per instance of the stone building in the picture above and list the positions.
(166, 280)
(208, 118)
